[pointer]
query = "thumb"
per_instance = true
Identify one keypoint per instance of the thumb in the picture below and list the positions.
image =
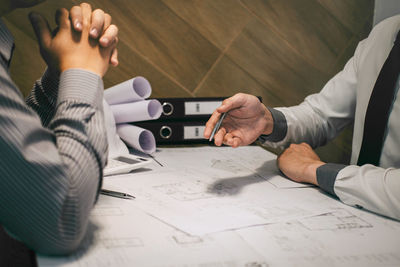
(233, 102)
(41, 28)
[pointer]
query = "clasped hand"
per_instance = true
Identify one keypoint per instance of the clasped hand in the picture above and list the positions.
(83, 39)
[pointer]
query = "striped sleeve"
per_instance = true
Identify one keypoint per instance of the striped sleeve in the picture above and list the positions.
(43, 97)
(51, 167)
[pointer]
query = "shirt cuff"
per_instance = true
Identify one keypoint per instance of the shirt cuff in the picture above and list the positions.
(280, 127)
(79, 84)
(326, 176)
(50, 82)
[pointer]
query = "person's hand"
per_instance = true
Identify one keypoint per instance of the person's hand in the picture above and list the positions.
(100, 28)
(246, 120)
(70, 49)
(299, 162)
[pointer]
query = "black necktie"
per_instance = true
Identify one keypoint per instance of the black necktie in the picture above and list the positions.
(379, 107)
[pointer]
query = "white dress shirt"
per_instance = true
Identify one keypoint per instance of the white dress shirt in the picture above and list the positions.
(343, 100)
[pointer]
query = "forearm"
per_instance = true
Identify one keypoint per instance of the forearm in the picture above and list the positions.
(43, 96)
(322, 116)
(373, 188)
(59, 169)
(302, 123)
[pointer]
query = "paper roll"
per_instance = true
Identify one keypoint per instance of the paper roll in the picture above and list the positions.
(132, 90)
(137, 111)
(115, 145)
(137, 138)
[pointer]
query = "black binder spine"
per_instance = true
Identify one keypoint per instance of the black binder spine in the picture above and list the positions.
(197, 108)
(175, 132)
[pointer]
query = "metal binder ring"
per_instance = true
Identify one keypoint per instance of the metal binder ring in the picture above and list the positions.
(168, 108)
(165, 132)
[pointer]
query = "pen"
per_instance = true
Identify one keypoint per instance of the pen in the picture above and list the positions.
(217, 126)
(116, 194)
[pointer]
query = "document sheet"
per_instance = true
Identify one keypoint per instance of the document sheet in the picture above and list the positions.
(211, 206)
(121, 235)
(210, 189)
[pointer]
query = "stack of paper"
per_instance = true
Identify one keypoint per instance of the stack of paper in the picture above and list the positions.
(127, 103)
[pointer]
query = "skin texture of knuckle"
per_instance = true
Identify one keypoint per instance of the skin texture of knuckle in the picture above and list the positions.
(240, 94)
(99, 11)
(86, 5)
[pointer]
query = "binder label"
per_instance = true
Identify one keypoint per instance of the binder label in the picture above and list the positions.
(201, 107)
(193, 132)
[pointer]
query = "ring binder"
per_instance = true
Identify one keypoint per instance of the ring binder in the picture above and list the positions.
(167, 108)
(196, 108)
(165, 132)
(174, 132)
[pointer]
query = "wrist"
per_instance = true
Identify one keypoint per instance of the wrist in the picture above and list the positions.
(310, 172)
(268, 121)
(71, 67)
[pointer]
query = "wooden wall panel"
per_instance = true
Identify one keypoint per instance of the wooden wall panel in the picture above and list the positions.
(305, 27)
(280, 50)
(271, 61)
(218, 21)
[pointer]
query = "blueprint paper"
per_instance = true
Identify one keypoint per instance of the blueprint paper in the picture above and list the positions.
(253, 158)
(132, 90)
(123, 236)
(134, 233)
(137, 138)
(115, 145)
(344, 237)
(205, 192)
(264, 163)
(137, 111)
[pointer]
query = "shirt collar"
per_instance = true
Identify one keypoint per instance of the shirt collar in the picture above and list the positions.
(6, 42)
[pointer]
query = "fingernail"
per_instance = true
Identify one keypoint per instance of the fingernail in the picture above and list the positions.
(78, 25)
(93, 32)
(104, 40)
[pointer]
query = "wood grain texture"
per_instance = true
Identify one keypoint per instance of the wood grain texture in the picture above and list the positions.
(280, 50)
(218, 21)
(271, 61)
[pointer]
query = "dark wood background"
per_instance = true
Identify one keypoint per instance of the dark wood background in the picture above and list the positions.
(281, 50)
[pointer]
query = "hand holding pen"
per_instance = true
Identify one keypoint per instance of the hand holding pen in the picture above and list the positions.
(245, 119)
(217, 126)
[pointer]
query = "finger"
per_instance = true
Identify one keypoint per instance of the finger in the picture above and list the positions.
(233, 102)
(86, 15)
(219, 136)
(305, 145)
(62, 18)
(110, 36)
(97, 23)
(236, 142)
(114, 58)
(228, 139)
(211, 123)
(75, 15)
(107, 21)
(41, 29)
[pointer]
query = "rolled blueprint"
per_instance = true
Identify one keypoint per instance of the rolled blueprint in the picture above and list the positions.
(115, 145)
(138, 138)
(137, 111)
(132, 90)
